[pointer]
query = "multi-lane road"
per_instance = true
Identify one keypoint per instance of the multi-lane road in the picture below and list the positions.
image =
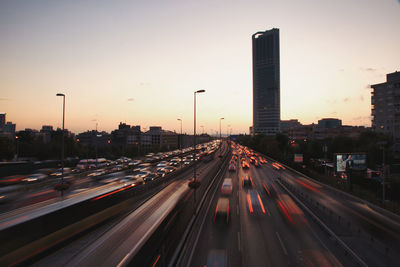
(119, 242)
(263, 239)
(287, 234)
(281, 219)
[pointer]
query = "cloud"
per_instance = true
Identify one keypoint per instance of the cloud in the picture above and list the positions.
(347, 99)
(130, 99)
(145, 84)
(362, 98)
(3, 99)
(369, 69)
(93, 120)
(341, 70)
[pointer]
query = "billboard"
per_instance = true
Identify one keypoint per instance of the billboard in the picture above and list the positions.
(351, 161)
(298, 158)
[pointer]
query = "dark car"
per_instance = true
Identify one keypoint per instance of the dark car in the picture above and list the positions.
(232, 167)
(221, 214)
(247, 181)
(217, 258)
(254, 202)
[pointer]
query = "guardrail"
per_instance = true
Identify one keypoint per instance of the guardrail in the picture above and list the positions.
(387, 213)
(350, 252)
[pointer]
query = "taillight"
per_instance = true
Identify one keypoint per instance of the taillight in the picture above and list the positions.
(266, 189)
(261, 204)
(250, 204)
(215, 214)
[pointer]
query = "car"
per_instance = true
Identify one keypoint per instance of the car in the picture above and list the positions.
(221, 214)
(169, 169)
(245, 165)
(134, 162)
(254, 202)
(232, 167)
(270, 190)
(290, 211)
(161, 172)
(226, 188)
(133, 179)
(150, 177)
(35, 177)
(247, 181)
(162, 164)
(97, 173)
(217, 257)
(143, 166)
(137, 174)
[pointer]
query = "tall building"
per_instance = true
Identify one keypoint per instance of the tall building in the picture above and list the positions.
(2, 120)
(266, 82)
(385, 106)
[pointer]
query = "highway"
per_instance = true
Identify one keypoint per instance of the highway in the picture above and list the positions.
(280, 218)
(264, 239)
(119, 242)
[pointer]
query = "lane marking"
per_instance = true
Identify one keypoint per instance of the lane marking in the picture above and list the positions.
(282, 245)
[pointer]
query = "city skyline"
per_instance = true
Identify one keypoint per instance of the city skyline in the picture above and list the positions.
(140, 63)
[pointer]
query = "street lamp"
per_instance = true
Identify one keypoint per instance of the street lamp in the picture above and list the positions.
(194, 143)
(220, 127)
(16, 141)
(180, 139)
(180, 142)
(62, 145)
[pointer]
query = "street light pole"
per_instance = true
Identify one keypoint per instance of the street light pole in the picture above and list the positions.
(180, 139)
(194, 144)
(220, 119)
(62, 145)
(180, 142)
(16, 141)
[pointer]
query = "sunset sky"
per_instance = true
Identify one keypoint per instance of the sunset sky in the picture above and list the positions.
(139, 62)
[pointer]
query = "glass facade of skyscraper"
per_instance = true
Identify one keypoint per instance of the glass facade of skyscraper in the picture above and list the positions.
(266, 82)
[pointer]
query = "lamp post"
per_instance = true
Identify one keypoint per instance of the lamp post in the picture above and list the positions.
(62, 145)
(180, 139)
(16, 141)
(180, 142)
(194, 144)
(220, 119)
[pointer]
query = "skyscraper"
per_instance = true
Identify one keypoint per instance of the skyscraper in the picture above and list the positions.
(385, 103)
(266, 82)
